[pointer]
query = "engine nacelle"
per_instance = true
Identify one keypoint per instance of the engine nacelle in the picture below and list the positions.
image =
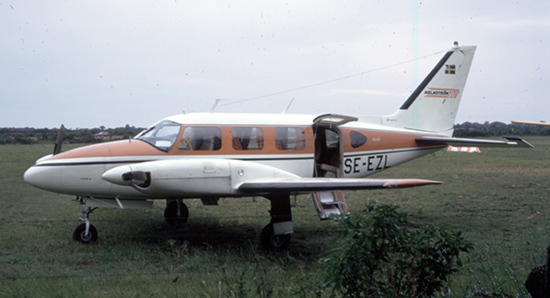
(191, 177)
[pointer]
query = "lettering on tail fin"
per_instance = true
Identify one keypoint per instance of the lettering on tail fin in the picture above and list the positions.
(441, 92)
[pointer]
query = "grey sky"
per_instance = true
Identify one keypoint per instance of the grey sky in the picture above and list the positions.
(112, 63)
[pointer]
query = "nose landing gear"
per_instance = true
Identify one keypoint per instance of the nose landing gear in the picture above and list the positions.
(85, 232)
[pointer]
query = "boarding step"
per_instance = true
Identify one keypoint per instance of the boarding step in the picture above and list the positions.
(329, 204)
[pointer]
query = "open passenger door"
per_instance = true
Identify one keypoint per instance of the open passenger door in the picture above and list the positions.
(329, 155)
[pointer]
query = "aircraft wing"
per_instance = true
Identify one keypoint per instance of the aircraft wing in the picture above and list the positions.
(461, 142)
(297, 185)
(227, 177)
(532, 123)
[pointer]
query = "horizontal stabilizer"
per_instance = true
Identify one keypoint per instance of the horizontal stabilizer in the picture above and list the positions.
(305, 185)
(460, 142)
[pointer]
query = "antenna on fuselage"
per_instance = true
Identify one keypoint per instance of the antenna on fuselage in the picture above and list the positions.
(216, 102)
(288, 107)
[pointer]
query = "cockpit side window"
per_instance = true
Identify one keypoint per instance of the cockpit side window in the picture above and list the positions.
(247, 138)
(201, 138)
(162, 135)
(290, 138)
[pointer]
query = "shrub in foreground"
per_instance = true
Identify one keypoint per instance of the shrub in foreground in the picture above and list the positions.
(384, 255)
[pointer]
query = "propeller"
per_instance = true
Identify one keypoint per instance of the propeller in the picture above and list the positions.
(59, 140)
(135, 175)
(139, 178)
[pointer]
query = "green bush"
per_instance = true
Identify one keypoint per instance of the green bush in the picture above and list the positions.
(384, 255)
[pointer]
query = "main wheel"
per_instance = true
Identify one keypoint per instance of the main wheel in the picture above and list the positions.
(171, 213)
(273, 242)
(79, 234)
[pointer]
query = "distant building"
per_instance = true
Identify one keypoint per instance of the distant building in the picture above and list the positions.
(102, 135)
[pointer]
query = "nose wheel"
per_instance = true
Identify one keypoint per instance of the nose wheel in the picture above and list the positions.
(85, 232)
(81, 235)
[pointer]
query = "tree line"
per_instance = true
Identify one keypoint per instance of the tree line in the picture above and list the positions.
(27, 135)
(498, 129)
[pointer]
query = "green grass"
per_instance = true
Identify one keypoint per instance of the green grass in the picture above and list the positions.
(496, 198)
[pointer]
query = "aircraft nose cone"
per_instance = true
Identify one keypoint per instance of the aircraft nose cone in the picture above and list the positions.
(116, 175)
(35, 176)
(29, 176)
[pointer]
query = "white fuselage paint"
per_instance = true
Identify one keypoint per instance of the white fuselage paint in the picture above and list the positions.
(82, 176)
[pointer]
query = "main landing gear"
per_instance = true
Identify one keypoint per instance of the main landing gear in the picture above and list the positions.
(276, 235)
(270, 241)
(176, 213)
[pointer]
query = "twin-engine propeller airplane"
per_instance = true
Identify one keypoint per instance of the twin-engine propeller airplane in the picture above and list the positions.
(213, 155)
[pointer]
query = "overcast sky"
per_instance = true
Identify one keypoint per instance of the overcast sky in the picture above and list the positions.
(110, 63)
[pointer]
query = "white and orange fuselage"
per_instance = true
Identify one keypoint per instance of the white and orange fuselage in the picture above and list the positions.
(198, 152)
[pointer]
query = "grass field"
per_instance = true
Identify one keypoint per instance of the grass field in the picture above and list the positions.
(498, 199)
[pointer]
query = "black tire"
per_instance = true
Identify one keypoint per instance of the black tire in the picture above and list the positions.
(79, 234)
(271, 242)
(171, 214)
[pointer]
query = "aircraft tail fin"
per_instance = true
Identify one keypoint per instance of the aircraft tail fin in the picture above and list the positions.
(433, 105)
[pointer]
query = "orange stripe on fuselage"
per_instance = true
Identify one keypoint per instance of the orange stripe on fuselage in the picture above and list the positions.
(141, 148)
(110, 149)
(376, 140)
(380, 140)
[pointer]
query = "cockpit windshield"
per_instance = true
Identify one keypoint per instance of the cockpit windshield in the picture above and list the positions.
(161, 135)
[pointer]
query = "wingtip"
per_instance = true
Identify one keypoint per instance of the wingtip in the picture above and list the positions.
(401, 183)
(518, 141)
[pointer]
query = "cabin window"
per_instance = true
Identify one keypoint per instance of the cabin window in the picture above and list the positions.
(201, 138)
(247, 138)
(290, 138)
(161, 135)
(357, 139)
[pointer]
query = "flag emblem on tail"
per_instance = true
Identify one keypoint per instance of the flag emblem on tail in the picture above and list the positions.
(450, 69)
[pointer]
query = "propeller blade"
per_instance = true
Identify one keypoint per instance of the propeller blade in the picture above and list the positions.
(59, 140)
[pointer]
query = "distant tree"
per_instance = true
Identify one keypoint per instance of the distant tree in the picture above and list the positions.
(80, 136)
(498, 129)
